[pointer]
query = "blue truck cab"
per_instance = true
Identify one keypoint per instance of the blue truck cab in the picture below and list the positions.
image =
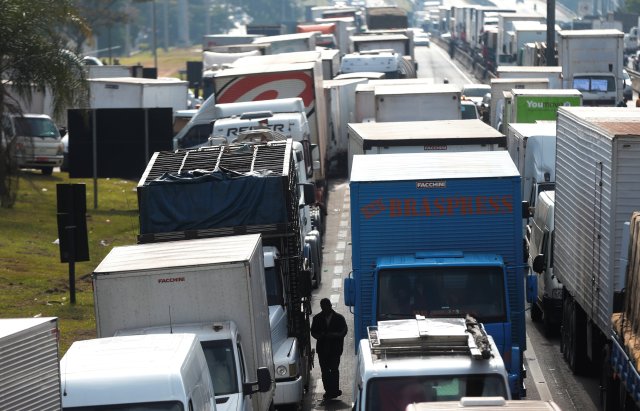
(440, 235)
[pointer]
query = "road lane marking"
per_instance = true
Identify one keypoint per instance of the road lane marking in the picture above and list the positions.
(342, 234)
(536, 373)
(339, 257)
(337, 283)
(335, 298)
(337, 270)
(341, 245)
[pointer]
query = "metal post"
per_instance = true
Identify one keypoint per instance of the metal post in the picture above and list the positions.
(155, 40)
(550, 52)
(71, 233)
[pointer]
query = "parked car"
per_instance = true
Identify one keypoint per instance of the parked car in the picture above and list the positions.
(422, 39)
(469, 110)
(475, 92)
(627, 92)
(33, 140)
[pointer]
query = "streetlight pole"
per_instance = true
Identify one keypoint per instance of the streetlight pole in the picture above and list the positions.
(155, 42)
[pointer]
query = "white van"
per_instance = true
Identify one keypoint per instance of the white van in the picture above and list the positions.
(546, 290)
(485, 404)
(34, 141)
(157, 371)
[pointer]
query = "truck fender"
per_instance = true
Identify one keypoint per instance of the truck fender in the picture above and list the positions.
(349, 291)
(532, 287)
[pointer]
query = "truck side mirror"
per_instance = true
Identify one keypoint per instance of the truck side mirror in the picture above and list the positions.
(538, 263)
(262, 385)
(349, 292)
(526, 211)
(304, 283)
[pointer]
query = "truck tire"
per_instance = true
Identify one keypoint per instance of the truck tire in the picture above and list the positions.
(573, 336)
(609, 394)
(536, 313)
(47, 171)
(316, 220)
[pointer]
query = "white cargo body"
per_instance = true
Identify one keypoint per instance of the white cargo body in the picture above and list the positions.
(204, 281)
(365, 107)
(505, 28)
(529, 32)
(553, 73)
(29, 367)
(417, 102)
(591, 62)
(422, 137)
(340, 97)
(160, 371)
(330, 63)
(500, 85)
(94, 71)
(134, 92)
(597, 189)
(532, 147)
(289, 43)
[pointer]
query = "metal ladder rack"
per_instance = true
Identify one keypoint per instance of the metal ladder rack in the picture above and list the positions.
(430, 336)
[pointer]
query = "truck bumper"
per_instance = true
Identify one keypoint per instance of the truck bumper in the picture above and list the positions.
(289, 391)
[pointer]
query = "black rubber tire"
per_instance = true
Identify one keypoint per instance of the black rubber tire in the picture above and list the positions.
(47, 171)
(536, 313)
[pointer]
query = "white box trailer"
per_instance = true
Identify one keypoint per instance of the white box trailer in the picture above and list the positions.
(365, 99)
(532, 147)
(597, 190)
(500, 85)
(134, 92)
(505, 27)
(423, 137)
(417, 102)
(330, 63)
(340, 97)
(214, 285)
(553, 73)
(289, 43)
(29, 367)
(108, 71)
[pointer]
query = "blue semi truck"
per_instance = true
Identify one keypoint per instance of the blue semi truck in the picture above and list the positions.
(440, 235)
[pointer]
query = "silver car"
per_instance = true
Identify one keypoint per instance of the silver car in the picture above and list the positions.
(33, 140)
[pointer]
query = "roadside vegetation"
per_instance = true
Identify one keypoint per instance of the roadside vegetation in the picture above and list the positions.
(33, 281)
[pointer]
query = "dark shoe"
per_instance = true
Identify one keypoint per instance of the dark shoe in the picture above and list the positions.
(331, 396)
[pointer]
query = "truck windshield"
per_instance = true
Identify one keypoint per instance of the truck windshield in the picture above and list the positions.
(442, 291)
(222, 366)
(394, 394)
(142, 406)
(594, 83)
(36, 127)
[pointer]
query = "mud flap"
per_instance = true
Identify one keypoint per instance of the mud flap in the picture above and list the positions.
(532, 287)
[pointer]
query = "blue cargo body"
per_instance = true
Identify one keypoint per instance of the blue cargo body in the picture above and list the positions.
(455, 216)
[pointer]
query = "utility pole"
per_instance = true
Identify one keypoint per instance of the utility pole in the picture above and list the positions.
(550, 52)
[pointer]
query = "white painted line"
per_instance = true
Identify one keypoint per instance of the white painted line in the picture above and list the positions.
(536, 373)
(344, 223)
(319, 389)
(337, 283)
(335, 298)
(337, 270)
(342, 234)
(341, 245)
(339, 257)
(446, 57)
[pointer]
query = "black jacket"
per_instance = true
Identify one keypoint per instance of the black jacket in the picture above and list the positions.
(329, 338)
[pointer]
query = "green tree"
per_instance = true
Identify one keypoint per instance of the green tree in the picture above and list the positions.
(35, 55)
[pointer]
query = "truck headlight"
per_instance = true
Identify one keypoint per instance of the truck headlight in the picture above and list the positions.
(281, 370)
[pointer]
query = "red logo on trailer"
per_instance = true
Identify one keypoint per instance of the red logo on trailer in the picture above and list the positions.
(267, 87)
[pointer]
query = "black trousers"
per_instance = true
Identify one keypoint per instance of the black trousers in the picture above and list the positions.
(330, 368)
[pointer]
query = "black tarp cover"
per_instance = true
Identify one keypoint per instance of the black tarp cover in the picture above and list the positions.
(202, 200)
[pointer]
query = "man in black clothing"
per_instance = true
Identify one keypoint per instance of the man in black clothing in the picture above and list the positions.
(329, 329)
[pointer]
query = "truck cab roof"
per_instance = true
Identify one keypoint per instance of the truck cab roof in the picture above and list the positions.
(219, 330)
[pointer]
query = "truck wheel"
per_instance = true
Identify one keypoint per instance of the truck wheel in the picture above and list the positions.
(609, 394)
(573, 335)
(536, 313)
(47, 171)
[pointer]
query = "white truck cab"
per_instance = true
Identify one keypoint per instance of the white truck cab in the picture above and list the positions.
(545, 289)
(223, 352)
(485, 404)
(165, 371)
(426, 359)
